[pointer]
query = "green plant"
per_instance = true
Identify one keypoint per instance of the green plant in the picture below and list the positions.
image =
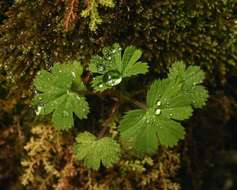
(112, 67)
(92, 151)
(168, 102)
(59, 93)
(92, 11)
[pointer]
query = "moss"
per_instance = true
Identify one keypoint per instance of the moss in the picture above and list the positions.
(40, 168)
(33, 35)
(92, 12)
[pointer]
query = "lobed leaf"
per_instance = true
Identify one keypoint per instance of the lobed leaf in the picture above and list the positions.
(145, 131)
(138, 68)
(168, 101)
(93, 152)
(56, 94)
(113, 61)
(191, 77)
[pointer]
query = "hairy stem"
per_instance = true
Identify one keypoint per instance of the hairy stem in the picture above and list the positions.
(117, 95)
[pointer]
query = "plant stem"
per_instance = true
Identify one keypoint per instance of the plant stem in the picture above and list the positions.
(135, 102)
(117, 95)
(108, 120)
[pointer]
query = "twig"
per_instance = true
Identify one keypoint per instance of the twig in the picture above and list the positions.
(70, 15)
(107, 121)
(117, 95)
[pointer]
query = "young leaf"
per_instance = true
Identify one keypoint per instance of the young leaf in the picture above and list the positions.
(56, 94)
(94, 152)
(191, 78)
(168, 102)
(113, 67)
(139, 132)
(157, 125)
(63, 114)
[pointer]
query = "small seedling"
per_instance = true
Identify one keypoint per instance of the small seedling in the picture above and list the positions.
(168, 102)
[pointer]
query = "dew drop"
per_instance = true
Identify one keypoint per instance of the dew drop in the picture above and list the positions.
(158, 103)
(39, 108)
(73, 74)
(158, 111)
(112, 78)
(101, 85)
(171, 114)
(100, 67)
(114, 82)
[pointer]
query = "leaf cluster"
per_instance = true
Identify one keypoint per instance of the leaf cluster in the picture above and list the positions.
(113, 66)
(168, 102)
(57, 94)
(93, 151)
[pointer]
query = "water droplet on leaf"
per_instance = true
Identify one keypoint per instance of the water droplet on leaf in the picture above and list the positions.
(39, 108)
(100, 67)
(158, 111)
(112, 78)
(73, 74)
(158, 103)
